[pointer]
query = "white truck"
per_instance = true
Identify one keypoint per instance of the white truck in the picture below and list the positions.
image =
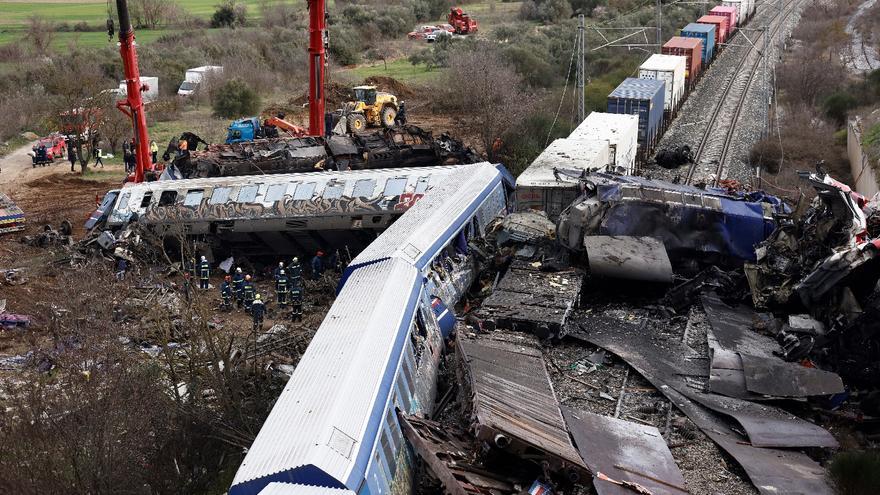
(194, 77)
(151, 94)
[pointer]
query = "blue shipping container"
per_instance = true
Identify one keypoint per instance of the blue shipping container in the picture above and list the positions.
(642, 97)
(705, 32)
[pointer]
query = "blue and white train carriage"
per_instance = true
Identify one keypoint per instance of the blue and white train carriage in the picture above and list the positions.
(334, 429)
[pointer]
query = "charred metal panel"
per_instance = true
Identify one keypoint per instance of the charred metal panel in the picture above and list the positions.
(624, 451)
(627, 257)
(513, 406)
(773, 376)
(527, 299)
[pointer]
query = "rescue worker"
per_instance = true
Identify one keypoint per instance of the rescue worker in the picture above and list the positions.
(279, 270)
(98, 155)
(204, 273)
(296, 303)
(400, 118)
(294, 273)
(121, 268)
(154, 150)
(258, 309)
(71, 156)
(248, 293)
(226, 293)
(238, 287)
(282, 285)
(318, 264)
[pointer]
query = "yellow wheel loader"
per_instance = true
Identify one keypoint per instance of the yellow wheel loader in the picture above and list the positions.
(370, 108)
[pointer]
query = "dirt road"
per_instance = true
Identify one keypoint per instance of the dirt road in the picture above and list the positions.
(17, 169)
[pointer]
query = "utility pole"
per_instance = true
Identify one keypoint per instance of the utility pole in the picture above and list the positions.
(581, 69)
(659, 26)
(764, 57)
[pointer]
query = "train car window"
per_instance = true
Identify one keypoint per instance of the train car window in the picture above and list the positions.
(393, 428)
(407, 371)
(334, 191)
(403, 396)
(123, 201)
(389, 454)
(147, 197)
(248, 194)
(394, 187)
(304, 191)
(219, 195)
(274, 193)
(422, 185)
(194, 197)
(364, 188)
(167, 198)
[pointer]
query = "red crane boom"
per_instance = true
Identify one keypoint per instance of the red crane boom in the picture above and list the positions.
(133, 100)
(317, 30)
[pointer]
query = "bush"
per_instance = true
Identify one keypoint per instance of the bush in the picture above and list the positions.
(545, 10)
(229, 14)
(838, 105)
(856, 473)
(767, 155)
(347, 45)
(234, 99)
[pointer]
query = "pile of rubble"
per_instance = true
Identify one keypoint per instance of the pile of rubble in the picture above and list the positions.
(755, 334)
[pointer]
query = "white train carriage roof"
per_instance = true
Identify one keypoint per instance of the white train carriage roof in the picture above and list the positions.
(416, 236)
(321, 430)
(277, 488)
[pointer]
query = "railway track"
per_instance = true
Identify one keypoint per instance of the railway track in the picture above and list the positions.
(713, 150)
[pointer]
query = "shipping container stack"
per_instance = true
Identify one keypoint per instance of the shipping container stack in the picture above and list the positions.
(705, 33)
(642, 97)
(730, 13)
(692, 50)
(721, 24)
(670, 69)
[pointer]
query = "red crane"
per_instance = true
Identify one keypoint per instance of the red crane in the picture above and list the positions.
(133, 99)
(317, 54)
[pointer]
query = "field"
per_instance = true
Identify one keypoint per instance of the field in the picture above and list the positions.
(17, 13)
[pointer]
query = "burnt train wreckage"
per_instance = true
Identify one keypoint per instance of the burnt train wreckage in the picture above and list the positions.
(406, 146)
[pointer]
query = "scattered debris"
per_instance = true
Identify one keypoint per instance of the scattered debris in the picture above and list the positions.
(11, 217)
(530, 300)
(50, 237)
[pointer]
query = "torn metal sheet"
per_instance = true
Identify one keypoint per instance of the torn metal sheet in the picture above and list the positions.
(447, 453)
(11, 320)
(11, 217)
(840, 265)
(726, 376)
(732, 328)
(778, 378)
(624, 451)
(772, 471)
(513, 406)
(526, 226)
(627, 257)
(530, 300)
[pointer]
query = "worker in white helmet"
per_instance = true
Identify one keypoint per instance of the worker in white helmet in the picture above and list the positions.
(204, 273)
(258, 309)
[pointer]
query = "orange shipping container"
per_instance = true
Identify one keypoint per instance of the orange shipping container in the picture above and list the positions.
(692, 50)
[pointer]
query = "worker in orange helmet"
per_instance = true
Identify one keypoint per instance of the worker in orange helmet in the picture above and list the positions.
(318, 264)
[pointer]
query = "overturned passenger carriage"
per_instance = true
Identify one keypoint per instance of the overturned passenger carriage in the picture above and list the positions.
(283, 213)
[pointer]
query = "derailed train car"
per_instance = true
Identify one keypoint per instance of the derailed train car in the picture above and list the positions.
(406, 146)
(712, 224)
(334, 428)
(283, 213)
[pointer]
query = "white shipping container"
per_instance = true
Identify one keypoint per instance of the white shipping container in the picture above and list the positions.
(669, 69)
(621, 131)
(551, 182)
(741, 8)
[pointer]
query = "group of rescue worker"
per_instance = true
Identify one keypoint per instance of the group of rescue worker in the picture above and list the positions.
(238, 291)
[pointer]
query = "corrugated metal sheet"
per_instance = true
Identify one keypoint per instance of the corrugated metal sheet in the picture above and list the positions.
(741, 7)
(705, 32)
(621, 132)
(636, 89)
(318, 431)
(297, 489)
(444, 209)
(730, 12)
(512, 395)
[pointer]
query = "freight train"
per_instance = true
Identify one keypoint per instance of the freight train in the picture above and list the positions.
(639, 111)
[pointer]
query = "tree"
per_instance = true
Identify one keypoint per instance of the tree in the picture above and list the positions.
(487, 92)
(234, 99)
(229, 14)
(150, 13)
(40, 33)
(837, 105)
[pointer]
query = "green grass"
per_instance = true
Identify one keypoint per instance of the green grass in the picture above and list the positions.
(399, 69)
(11, 145)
